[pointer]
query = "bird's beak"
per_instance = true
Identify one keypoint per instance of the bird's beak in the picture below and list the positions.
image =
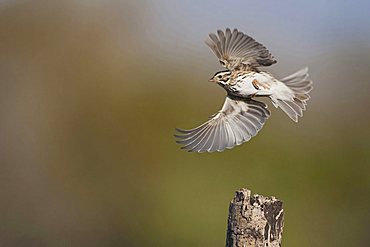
(211, 80)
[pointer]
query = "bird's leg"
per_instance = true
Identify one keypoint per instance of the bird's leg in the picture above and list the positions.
(257, 85)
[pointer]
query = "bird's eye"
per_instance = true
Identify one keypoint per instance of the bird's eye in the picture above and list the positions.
(219, 77)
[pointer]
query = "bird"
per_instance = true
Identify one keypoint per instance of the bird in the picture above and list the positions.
(242, 116)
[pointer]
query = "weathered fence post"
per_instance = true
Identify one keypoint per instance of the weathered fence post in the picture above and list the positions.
(254, 221)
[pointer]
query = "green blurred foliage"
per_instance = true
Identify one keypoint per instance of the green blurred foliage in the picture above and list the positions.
(88, 156)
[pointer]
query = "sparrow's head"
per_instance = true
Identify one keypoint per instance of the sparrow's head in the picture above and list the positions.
(221, 77)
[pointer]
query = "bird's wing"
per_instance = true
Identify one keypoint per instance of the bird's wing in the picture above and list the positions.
(237, 122)
(235, 49)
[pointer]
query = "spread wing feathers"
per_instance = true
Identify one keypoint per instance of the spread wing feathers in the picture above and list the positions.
(237, 122)
(235, 49)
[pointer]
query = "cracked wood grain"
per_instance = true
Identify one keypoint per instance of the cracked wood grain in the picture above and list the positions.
(254, 221)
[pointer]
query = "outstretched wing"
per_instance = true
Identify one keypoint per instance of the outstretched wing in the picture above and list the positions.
(237, 122)
(235, 49)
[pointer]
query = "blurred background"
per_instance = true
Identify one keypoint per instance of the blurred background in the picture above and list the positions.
(90, 94)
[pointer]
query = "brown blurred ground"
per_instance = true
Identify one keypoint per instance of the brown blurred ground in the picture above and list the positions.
(88, 107)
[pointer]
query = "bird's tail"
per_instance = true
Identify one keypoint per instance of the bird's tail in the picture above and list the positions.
(296, 102)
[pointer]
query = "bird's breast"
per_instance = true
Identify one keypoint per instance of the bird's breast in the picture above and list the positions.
(251, 84)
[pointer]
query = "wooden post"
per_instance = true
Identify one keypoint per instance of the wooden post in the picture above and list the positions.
(254, 221)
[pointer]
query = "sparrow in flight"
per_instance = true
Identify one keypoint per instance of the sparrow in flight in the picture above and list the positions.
(242, 116)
